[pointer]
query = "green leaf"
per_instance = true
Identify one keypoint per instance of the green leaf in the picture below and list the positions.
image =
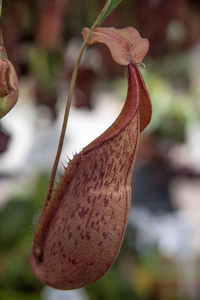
(110, 6)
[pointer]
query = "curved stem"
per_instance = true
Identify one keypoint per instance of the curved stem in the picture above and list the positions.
(68, 104)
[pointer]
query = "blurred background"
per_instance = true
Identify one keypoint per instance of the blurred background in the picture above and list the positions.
(160, 255)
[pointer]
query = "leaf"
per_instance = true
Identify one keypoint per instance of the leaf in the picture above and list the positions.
(81, 228)
(126, 45)
(110, 6)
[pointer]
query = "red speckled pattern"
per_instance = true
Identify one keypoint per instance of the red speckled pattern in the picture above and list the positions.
(81, 228)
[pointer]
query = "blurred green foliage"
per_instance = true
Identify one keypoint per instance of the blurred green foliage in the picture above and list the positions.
(14, 295)
(16, 235)
(174, 105)
(110, 287)
(46, 66)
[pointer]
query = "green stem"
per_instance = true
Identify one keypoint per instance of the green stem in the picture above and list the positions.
(0, 7)
(68, 104)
